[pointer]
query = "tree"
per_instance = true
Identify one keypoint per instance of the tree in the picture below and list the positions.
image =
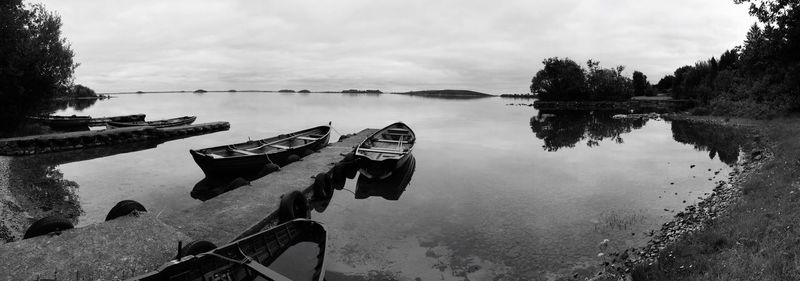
(561, 79)
(640, 84)
(35, 62)
(781, 19)
(607, 83)
(665, 83)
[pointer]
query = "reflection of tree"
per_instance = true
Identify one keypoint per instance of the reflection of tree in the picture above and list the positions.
(35, 189)
(559, 129)
(76, 104)
(718, 141)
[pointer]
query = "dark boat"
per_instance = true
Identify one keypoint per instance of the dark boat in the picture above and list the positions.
(250, 157)
(101, 121)
(385, 151)
(294, 250)
(172, 122)
(55, 121)
(389, 188)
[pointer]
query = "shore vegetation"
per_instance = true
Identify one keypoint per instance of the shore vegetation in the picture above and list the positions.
(36, 62)
(565, 80)
(758, 79)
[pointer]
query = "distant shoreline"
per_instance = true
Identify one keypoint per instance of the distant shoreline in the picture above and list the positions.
(426, 93)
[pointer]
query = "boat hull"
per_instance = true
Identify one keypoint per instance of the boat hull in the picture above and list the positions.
(249, 165)
(385, 151)
(62, 122)
(174, 122)
(263, 248)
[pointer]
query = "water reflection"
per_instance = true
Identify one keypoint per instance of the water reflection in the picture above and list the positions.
(718, 141)
(75, 104)
(389, 188)
(37, 188)
(560, 129)
(210, 187)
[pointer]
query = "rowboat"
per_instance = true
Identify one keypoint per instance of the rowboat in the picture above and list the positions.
(385, 151)
(294, 250)
(101, 121)
(56, 121)
(172, 122)
(252, 156)
(389, 188)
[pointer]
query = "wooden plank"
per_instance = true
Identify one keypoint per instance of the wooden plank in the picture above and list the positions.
(381, 151)
(244, 152)
(279, 146)
(389, 141)
(307, 138)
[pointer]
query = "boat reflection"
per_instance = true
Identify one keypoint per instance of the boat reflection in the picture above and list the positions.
(389, 188)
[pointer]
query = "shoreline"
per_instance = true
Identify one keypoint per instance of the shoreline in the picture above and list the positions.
(696, 218)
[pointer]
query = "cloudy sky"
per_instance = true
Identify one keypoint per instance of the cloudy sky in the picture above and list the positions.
(392, 45)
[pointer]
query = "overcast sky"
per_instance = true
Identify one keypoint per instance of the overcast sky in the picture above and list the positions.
(393, 45)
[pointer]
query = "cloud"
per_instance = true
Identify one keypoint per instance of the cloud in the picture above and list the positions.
(393, 45)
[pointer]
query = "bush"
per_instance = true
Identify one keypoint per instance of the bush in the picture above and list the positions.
(700, 111)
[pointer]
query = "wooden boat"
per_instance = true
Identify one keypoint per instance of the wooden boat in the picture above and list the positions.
(279, 253)
(101, 121)
(172, 122)
(56, 121)
(391, 187)
(385, 151)
(252, 156)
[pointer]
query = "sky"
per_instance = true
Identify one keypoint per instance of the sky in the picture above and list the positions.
(393, 45)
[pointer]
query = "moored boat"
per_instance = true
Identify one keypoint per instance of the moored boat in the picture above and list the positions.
(252, 156)
(391, 187)
(385, 151)
(56, 121)
(172, 122)
(294, 250)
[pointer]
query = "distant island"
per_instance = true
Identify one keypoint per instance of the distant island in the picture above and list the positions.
(447, 94)
(286, 91)
(200, 91)
(356, 91)
(304, 91)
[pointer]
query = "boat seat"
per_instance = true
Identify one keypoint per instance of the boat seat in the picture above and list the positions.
(307, 138)
(383, 140)
(245, 152)
(381, 151)
(215, 156)
(279, 146)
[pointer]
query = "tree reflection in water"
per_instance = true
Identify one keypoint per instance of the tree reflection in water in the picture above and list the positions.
(33, 187)
(724, 142)
(560, 129)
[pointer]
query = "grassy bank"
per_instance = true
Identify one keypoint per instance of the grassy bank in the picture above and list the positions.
(758, 237)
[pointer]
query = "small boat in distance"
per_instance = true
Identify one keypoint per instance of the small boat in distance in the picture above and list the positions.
(252, 156)
(55, 121)
(385, 151)
(172, 122)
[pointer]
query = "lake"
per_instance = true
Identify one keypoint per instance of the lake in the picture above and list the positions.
(499, 192)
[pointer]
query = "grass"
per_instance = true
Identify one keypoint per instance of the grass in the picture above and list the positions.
(759, 239)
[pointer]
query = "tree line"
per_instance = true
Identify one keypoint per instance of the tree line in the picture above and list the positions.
(760, 78)
(565, 80)
(36, 62)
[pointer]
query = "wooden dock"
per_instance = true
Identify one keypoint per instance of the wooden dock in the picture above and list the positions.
(83, 139)
(131, 246)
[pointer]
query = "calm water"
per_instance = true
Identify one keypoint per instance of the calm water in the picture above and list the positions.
(498, 191)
